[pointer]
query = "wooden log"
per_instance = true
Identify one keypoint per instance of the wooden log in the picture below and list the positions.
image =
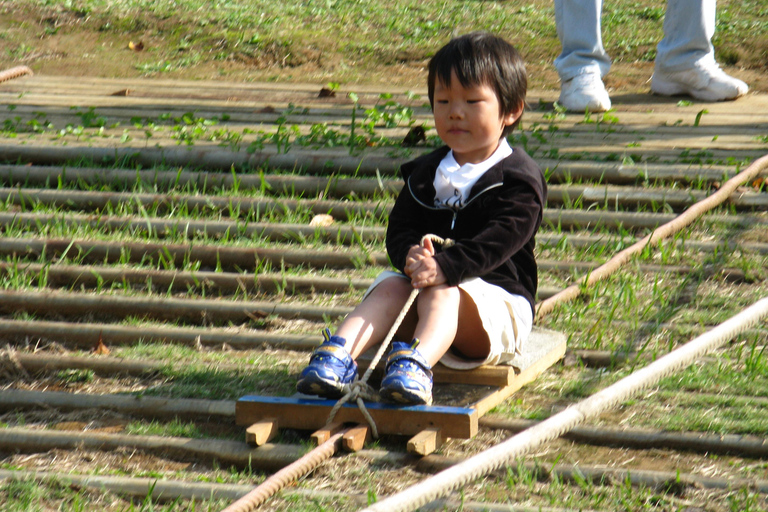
(261, 432)
(425, 442)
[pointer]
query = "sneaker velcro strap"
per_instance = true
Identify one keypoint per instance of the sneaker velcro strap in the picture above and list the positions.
(336, 351)
(411, 355)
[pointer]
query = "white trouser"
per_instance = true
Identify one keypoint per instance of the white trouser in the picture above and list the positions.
(688, 29)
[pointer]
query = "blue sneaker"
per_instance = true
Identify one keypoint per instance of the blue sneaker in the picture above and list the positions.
(330, 368)
(408, 378)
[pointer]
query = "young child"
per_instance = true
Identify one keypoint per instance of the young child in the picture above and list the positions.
(476, 298)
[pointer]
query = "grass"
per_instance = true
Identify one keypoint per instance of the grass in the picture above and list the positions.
(645, 313)
(174, 428)
(33, 496)
(273, 40)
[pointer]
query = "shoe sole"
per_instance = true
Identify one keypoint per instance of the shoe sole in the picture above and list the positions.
(313, 384)
(404, 396)
(594, 108)
(664, 88)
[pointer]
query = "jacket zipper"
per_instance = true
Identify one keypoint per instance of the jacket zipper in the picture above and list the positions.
(455, 211)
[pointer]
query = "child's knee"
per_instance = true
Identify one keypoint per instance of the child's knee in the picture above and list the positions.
(441, 294)
(397, 287)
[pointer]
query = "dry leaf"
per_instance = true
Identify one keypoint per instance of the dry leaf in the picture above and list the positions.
(137, 47)
(414, 136)
(326, 93)
(100, 348)
(321, 220)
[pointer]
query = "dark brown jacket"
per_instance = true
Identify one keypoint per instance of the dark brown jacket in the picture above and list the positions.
(494, 231)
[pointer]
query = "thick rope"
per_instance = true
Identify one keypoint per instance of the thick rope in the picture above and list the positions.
(502, 454)
(664, 231)
(287, 475)
(360, 388)
(16, 72)
(520, 444)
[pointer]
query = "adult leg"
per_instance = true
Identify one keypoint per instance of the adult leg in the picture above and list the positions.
(579, 30)
(685, 57)
(583, 61)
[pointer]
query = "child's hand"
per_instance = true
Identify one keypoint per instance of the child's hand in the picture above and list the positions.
(421, 266)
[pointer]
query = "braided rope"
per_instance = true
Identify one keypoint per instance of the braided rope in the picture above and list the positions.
(500, 455)
(494, 458)
(16, 72)
(287, 475)
(360, 388)
(664, 231)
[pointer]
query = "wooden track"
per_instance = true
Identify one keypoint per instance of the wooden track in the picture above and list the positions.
(656, 127)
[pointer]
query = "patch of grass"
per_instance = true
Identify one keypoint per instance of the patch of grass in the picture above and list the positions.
(18, 495)
(273, 38)
(173, 428)
(216, 384)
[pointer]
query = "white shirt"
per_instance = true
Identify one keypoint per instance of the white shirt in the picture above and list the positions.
(453, 181)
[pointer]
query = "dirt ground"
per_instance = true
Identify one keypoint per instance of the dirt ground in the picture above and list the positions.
(60, 44)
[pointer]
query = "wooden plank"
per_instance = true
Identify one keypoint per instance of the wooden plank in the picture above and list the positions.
(490, 401)
(261, 432)
(425, 442)
(355, 437)
(312, 414)
(498, 376)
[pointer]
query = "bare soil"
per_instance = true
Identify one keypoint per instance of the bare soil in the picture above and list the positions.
(58, 42)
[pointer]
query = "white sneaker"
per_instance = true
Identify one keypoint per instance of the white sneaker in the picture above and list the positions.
(584, 92)
(708, 83)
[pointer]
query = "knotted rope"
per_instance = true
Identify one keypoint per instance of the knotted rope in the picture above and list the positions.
(359, 389)
(664, 231)
(288, 474)
(494, 458)
(18, 71)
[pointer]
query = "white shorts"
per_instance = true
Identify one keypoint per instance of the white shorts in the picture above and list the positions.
(507, 320)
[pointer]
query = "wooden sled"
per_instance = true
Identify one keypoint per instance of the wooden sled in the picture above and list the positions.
(460, 399)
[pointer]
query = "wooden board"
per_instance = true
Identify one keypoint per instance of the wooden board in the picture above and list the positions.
(312, 414)
(529, 374)
(309, 413)
(498, 376)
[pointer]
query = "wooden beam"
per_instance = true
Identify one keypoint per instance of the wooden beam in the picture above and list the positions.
(425, 442)
(354, 438)
(498, 376)
(261, 432)
(312, 413)
(322, 435)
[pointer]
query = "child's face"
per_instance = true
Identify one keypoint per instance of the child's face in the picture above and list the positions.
(469, 119)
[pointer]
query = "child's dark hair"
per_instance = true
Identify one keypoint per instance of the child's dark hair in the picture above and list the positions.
(482, 58)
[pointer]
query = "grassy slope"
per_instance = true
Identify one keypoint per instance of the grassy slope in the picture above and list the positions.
(341, 41)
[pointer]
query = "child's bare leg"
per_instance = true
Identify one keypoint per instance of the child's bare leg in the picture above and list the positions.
(369, 323)
(448, 316)
(332, 365)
